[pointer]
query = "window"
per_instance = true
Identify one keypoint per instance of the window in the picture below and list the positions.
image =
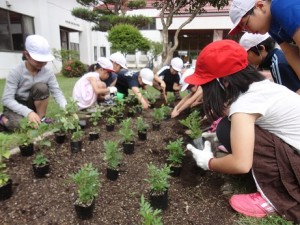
(103, 51)
(151, 26)
(95, 53)
(14, 28)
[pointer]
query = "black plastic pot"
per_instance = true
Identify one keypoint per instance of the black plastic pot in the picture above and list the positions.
(156, 125)
(60, 138)
(6, 190)
(27, 150)
(93, 136)
(75, 146)
(41, 171)
(85, 212)
(110, 127)
(159, 201)
(112, 174)
(175, 171)
(130, 114)
(128, 148)
(142, 135)
(120, 118)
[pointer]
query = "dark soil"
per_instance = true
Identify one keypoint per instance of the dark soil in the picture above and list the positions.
(194, 197)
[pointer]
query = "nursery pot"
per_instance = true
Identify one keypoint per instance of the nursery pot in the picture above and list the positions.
(41, 171)
(120, 118)
(112, 174)
(110, 127)
(159, 201)
(175, 171)
(60, 138)
(142, 135)
(130, 114)
(128, 148)
(76, 146)
(26, 150)
(156, 125)
(6, 190)
(93, 136)
(85, 212)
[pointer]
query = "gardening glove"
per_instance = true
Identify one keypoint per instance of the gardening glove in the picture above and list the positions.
(113, 92)
(202, 157)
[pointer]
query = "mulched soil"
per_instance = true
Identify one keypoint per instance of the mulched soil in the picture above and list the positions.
(194, 197)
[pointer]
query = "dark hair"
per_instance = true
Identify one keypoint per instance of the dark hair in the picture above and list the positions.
(94, 67)
(216, 99)
(269, 45)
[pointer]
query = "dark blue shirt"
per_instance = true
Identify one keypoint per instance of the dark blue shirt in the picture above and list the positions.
(127, 80)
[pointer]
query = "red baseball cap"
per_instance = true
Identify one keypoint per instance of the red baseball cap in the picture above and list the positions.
(218, 59)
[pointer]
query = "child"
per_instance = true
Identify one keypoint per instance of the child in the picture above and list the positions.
(167, 78)
(264, 130)
(263, 54)
(280, 18)
(192, 99)
(29, 85)
(91, 86)
(134, 80)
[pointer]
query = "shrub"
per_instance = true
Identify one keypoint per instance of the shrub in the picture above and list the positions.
(73, 68)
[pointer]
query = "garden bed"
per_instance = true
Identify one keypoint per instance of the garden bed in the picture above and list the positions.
(194, 197)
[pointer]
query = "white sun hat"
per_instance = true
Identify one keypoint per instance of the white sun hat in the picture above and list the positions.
(187, 73)
(38, 48)
(147, 76)
(177, 64)
(119, 58)
(106, 64)
(249, 40)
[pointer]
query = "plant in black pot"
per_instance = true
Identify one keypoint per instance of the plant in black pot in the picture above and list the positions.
(112, 156)
(5, 181)
(40, 165)
(193, 122)
(88, 184)
(76, 140)
(167, 111)
(171, 99)
(149, 215)
(127, 136)
(158, 116)
(95, 117)
(26, 137)
(110, 123)
(142, 127)
(176, 153)
(159, 184)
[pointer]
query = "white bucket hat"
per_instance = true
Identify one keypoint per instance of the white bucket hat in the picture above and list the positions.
(237, 11)
(249, 40)
(187, 73)
(119, 58)
(106, 64)
(147, 76)
(177, 64)
(38, 48)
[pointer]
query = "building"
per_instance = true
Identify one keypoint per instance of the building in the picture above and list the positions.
(53, 20)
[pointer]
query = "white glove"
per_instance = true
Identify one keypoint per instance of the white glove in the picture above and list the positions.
(112, 90)
(202, 157)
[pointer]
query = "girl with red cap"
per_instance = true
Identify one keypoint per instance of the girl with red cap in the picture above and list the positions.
(261, 130)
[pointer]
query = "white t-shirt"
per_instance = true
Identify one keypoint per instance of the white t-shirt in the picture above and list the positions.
(83, 91)
(279, 107)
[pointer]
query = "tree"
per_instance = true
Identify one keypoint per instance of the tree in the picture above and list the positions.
(154, 51)
(170, 8)
(110, 13)
(127, 39)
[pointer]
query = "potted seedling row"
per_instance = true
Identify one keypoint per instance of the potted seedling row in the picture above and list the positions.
(88, 184)
(112, 156)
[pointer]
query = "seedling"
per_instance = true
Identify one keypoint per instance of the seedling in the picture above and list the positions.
(141, 125)
(112, 154)
(40, 160)
(158, 178)
(176, 152)
(77, 135)
(158, 114)
(192, 122)
(126, 131)
(149, 215)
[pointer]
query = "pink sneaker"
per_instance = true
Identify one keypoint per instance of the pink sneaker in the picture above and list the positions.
(251, 205)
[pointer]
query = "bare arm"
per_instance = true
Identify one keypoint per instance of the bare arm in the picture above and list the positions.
(242, 143)
(140, 97)
(98, 86)
(292, 52)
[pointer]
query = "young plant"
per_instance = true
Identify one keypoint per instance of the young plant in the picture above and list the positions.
(158, 115)
(176, 151)
(87, 182)
(77, 135)
(141, 125)
(192, 122)
(112, 154)
(111, 120)
(6, 142)
(149, 215)
(170, 98)
(40, 160)
(27, 132)
(166, 109)
(95, 116)
(126, 131)
(158, 178)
